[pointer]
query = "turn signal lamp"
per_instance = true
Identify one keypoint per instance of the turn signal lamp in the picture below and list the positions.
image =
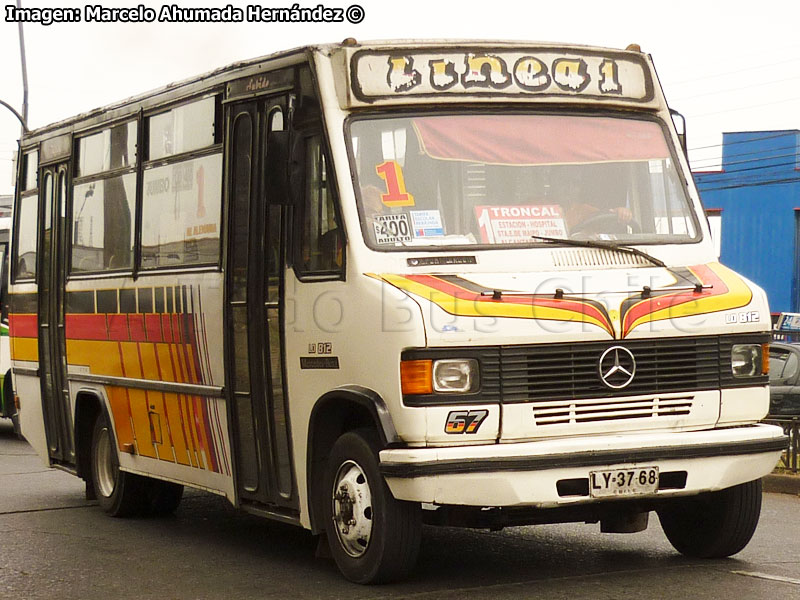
(416, 376)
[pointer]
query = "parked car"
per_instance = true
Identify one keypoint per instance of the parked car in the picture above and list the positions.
(784, 376)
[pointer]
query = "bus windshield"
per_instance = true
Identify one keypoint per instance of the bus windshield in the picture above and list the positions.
(497, 180)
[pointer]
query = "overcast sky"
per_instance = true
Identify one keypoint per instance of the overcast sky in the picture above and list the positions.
(726, 66)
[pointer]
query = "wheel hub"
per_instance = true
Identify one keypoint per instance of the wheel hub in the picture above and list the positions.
(352, 509)
(104, 467)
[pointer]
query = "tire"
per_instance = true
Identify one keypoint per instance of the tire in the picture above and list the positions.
(163, 497)
(713, 525)
(373, 537)
(118, 493)
(15, 425)
(7, 406)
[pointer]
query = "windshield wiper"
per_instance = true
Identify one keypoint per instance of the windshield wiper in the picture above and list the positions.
(602, 245)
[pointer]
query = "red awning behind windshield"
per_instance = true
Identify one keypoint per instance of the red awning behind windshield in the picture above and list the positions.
(539, 139)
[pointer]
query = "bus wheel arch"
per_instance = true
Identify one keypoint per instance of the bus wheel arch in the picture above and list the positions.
(10, 405)
(7, 401)
(88, 405)
(117, 493)
(373, 537)
(335, 413)
(120, 494)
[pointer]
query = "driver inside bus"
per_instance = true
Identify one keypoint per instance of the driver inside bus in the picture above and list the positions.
(594, 209)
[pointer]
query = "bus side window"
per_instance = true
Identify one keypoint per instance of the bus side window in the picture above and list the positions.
(4, 283)
(104, 200)
(25, 237)
(321, 237)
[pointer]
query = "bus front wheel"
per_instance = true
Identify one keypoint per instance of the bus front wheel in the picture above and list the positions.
(120, 494)
(373, 537)
(713, 525)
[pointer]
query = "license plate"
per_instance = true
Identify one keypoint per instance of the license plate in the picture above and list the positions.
(623, 482)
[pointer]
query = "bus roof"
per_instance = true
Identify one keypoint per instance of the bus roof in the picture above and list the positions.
(358, 56)
(173, 90)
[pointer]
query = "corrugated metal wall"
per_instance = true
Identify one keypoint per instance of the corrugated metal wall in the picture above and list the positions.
(758, 190)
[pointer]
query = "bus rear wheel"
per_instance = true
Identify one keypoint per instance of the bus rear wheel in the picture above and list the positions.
(163, 497)
(713, 525)
(120, 494)
(373, 537)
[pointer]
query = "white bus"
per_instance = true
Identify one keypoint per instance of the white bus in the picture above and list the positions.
(363, 287)
(7, 408)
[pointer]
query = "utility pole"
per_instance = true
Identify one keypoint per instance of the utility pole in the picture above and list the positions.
(24, 73)
(21, 119)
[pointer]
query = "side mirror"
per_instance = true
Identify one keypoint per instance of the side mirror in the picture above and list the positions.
(285, 168)
(676, 116)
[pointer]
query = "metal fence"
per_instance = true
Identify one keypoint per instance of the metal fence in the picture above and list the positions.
(791, 427)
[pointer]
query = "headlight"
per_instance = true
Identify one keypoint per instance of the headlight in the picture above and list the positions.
(456, 375)
(747, 360)
(441, 376)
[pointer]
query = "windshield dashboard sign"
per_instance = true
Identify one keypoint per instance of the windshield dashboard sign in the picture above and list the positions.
(382, 75)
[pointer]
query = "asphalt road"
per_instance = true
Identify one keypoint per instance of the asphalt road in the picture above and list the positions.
(56, 545)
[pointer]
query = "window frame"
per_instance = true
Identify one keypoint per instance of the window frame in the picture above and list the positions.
(17, 215)
(505, 109)
(146, 164)
(163, 109)
(103, 176)
(299, 214)
(139, 166)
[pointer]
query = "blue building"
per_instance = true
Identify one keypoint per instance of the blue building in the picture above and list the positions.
(757, 196)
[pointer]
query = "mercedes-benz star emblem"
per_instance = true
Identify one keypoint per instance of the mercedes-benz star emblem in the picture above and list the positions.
(617, 367)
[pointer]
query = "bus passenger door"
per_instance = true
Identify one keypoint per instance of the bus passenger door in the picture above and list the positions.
(255, 273)
(52, 344)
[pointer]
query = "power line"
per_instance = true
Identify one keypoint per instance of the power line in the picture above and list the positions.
(750, 161)
(750, 140)
(735, 174)
(726, 156)
(736, 89)
(732, 174)
(759, 67)
(752, 184)
(749, 106)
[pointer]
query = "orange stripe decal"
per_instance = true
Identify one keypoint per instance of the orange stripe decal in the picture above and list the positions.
(459, 297)
(727, 291)
(722, 290)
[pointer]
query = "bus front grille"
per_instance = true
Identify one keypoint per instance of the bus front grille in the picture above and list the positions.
(544, 373)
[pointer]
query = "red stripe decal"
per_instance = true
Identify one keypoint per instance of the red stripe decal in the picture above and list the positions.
(646, 307)
(166, 328)
(136, 326)
(191, 332)
(118, 328)
(86, 327)
(164, 404)
(152, 327)
(469, 296)
(23, 326)
(212, 450)
(176, 329)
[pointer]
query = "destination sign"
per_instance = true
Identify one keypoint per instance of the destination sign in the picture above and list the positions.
(390, 74)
